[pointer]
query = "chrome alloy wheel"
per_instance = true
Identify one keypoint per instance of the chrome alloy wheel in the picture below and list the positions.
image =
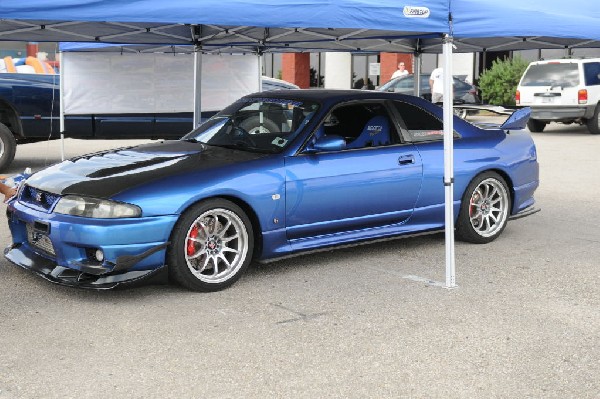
(216, 245)
(488, 207)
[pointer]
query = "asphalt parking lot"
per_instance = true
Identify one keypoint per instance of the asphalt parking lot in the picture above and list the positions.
(523, 323)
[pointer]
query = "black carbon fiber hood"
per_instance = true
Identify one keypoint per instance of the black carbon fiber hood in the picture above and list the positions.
(105, 174)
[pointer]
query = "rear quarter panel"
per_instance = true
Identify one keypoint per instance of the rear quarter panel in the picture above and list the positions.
(511, 155)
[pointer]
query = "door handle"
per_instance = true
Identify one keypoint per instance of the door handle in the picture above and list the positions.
(406, 159)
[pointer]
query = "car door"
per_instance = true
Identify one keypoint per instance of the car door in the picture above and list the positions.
(354, 188)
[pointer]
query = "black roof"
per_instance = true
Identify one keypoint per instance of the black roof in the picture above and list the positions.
(323, 95)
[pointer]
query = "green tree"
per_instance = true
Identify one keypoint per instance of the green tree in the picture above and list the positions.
(499, 83)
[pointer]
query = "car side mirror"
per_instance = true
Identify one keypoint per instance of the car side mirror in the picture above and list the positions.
(328, 143)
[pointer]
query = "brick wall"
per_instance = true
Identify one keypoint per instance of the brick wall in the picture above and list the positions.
(296, 69)
(389, 64)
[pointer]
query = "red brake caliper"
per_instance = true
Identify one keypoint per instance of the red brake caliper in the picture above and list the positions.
(191, 244)
(472, 204)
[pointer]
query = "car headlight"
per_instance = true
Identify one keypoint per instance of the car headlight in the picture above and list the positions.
(95, 208)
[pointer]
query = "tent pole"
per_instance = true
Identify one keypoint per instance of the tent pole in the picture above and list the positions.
(417, 74)
(449, 162)
(197, 85)
(260, 66)
(61, 98)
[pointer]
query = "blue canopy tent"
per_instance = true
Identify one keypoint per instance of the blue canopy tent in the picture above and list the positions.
(385, 25)
(300, 25)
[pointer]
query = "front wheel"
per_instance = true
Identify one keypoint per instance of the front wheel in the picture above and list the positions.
(211, 246)
(484, 209)
(593, 124)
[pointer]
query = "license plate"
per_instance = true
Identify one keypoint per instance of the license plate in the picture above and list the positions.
(547, 100)
(39, 240)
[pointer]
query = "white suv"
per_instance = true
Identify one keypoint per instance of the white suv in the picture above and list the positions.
(565, 90)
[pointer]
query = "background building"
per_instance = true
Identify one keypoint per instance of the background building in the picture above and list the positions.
(343, 70)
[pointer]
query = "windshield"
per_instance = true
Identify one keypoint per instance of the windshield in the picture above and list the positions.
(266, 124)
(561, 74)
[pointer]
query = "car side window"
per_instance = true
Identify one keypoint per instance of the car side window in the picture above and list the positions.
(361, 125)
(591, 71)
(420, 125)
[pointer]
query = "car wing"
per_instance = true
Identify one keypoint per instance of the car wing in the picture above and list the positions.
(517, 120)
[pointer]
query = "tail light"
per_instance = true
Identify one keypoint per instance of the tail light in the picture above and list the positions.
(518, 97)
(582, 96)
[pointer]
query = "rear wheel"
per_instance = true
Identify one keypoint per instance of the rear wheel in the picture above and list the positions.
(484, 209)
(535, 126)
(8, 146)
(593, 124)
(211, 246)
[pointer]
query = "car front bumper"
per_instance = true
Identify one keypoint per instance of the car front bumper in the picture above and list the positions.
(63, 248)
(48, 269)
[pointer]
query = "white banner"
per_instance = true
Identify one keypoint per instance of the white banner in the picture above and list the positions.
(102, 83)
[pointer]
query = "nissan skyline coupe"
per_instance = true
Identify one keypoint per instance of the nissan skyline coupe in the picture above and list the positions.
(272, 175)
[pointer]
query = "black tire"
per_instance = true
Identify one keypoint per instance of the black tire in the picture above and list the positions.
(253, 126)
(535, 126)
(8, 146)
(593, 124)
(484, 209)
(211, 246)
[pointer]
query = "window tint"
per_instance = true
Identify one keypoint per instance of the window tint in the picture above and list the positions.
(361, 125)
(591, 72)
(560, 74)
(420, 124)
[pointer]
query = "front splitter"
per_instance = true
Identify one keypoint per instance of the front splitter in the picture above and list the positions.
(49, 270)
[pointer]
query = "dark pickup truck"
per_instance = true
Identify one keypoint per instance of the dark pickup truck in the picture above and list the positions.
(30, 112)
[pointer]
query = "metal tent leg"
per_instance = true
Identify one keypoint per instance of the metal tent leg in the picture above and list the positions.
(449, 163)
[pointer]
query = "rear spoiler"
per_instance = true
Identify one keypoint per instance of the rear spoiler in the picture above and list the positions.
(517, 119)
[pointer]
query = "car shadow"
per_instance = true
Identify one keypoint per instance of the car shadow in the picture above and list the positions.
(345, 254)
(257, 273)
(564, 130)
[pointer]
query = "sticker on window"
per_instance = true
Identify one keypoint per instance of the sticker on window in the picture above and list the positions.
(279, 142)
(281, 101)
(425, 133)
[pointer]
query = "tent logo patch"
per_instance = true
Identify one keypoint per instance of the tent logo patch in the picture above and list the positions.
(416, 12)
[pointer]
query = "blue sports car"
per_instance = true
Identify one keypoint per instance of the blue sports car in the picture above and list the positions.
(275, 173)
